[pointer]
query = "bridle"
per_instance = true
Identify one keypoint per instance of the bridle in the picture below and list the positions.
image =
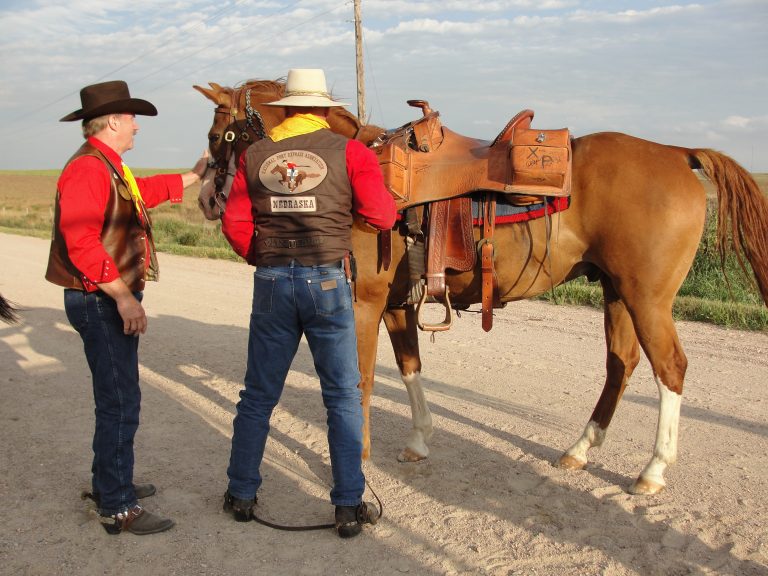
(242, 130)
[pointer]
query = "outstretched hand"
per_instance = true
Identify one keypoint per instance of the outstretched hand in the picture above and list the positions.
(201, 165)
(197, 172)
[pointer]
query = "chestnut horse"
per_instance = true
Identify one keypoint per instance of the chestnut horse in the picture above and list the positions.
(635, 221)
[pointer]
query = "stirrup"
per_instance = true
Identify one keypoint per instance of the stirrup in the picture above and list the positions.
(445, 324)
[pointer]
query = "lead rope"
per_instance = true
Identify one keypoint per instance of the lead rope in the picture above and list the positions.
(365, 519)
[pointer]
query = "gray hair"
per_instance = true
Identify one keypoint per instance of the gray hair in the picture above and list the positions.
(93, 126)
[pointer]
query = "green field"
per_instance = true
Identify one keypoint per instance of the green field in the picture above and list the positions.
(26, 207)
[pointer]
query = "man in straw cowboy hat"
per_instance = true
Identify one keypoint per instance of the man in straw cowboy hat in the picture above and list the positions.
(102, 253)
(289, 213)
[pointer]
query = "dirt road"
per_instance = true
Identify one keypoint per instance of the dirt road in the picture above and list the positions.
(488, 501)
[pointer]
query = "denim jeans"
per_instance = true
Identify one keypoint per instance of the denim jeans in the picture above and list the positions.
(289, 301)
(113, 359)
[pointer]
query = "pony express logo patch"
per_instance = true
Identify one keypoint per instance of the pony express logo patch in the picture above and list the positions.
(293, 172)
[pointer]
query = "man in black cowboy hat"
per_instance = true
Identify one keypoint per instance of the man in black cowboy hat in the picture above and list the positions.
(102, 253)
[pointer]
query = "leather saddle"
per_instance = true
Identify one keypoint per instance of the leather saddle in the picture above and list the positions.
(427, 165)
(424, 161)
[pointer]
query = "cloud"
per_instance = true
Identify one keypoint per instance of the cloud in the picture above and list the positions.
(432, 26)
(631, 16)
(687, 73)
(744, 124)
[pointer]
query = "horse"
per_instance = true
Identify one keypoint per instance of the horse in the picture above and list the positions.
(635, 221)
(7, 311)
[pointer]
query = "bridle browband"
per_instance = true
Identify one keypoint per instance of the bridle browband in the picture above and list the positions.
(234, 134)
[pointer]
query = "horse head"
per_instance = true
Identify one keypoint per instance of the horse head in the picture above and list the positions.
(240, 119)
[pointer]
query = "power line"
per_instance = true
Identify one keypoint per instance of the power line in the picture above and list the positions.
(39, 109)
(206, 46)
(252, 47)
(165, 45)
(281, 30)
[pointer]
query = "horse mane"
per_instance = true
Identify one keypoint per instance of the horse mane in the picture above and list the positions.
(265, 88)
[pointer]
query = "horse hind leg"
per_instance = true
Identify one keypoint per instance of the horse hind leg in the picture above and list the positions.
(651, 314)
(623, 355)
(401, 325)
(659, 340)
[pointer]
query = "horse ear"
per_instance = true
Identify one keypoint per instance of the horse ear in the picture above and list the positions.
(212, 95)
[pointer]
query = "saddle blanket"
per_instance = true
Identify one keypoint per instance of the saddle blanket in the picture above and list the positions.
(510, 214)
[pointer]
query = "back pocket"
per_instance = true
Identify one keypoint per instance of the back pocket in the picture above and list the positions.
(263, 290)
(331, 296)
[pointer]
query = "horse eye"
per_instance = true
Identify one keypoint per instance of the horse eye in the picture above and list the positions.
(213, 137)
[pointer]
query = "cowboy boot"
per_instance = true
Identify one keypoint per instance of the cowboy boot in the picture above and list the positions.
(350, 519)
(135, 520)
(242, 509)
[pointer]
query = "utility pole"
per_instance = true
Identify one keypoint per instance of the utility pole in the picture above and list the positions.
(359, 63)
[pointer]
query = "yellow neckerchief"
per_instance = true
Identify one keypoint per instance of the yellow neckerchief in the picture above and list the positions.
(296, 126)
(134, 189)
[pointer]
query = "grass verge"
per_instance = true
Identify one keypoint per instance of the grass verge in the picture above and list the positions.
(26, 208)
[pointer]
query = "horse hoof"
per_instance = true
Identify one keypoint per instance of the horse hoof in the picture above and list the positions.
(643, 487)
(568, 462)
(408, 455)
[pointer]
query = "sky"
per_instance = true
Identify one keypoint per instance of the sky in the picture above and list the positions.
(691, 74)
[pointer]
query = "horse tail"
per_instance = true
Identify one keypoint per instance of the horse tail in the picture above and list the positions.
(742, 213)
(7, 311)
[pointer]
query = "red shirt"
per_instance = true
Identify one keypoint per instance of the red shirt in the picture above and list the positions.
(84, 189)
(370, 198)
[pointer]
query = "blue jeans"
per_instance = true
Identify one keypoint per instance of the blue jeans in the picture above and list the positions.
(289, 301)
(114, 362)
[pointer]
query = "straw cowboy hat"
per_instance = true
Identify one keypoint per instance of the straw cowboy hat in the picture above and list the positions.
(109, 98)
(306, 87)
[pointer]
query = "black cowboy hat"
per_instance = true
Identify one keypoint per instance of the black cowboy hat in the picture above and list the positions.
(109, 98)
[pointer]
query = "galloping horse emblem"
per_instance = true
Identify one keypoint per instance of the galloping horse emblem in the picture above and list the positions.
(292, 177)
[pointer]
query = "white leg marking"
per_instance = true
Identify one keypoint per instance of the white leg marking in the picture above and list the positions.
(665, 450)
(420, 415)
(592, 437)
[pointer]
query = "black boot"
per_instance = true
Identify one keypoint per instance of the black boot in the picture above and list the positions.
(241, 509)
(350, 519)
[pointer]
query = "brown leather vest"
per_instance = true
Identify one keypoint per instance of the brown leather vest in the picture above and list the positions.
(301, 198)
(125, 238)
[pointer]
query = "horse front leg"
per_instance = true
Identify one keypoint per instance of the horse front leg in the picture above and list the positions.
(401, 325)
(367, 319)
(623, 355)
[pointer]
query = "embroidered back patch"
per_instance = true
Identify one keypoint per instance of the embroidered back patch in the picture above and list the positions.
(292, 171)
